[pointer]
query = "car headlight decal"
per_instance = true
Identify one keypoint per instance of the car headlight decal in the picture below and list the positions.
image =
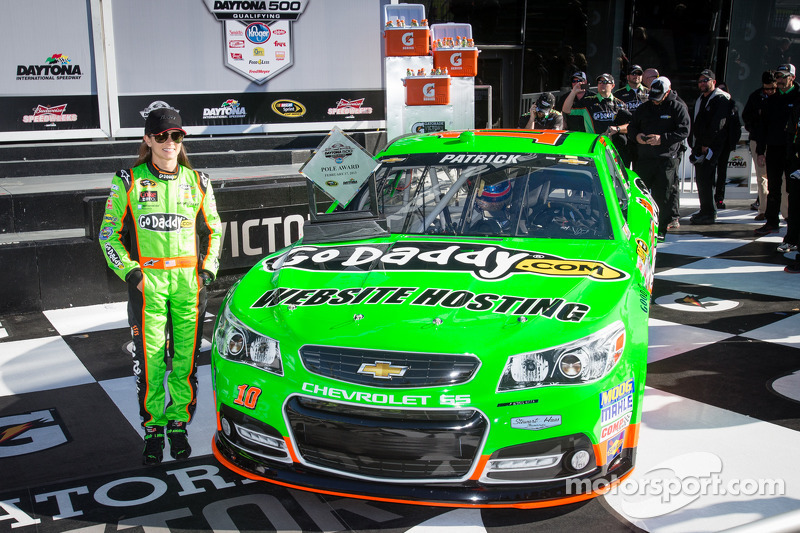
(236, 342)
(582, 361)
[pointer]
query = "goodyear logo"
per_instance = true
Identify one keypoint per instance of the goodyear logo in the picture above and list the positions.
(566, 267)
(288, 108)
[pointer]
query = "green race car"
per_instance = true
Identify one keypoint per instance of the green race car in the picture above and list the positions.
(481, 342)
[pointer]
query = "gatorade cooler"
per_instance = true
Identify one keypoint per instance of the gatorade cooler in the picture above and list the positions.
(401, 37)
(459, 60)
(427, 90)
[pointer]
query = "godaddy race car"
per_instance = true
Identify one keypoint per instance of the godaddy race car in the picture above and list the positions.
(486, 346)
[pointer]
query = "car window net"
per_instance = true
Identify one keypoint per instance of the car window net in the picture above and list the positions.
(557, 197)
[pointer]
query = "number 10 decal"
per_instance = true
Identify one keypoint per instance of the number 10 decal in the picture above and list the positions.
(248, 396)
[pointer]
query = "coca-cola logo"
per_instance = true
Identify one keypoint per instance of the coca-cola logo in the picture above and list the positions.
(163, 222)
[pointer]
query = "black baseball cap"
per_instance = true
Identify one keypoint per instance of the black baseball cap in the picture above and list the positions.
(635, 69)
(659, 89)
(708, 74)
(163, 119)
(545, 101)
(605, 77)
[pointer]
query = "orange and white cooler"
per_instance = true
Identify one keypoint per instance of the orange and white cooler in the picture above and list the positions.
(401, 38)
(427, 90)
(459, 61)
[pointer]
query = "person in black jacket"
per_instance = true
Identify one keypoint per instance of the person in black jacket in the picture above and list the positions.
(733, 127)
(602, 113)
(658, 127)
(575, 123)
(751, 116)
(633, 95)
(773, 141)
(709, 138)
(542, 116)
(790, 241)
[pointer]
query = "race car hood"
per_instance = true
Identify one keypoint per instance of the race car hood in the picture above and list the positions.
(392, 293)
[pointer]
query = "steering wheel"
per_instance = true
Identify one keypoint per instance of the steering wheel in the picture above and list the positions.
(557, 220)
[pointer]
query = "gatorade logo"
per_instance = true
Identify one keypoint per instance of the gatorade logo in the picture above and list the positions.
(429, 91)
(408, 39)
(455, 59)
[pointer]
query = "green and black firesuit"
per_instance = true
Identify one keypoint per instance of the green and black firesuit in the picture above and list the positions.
(163, 229)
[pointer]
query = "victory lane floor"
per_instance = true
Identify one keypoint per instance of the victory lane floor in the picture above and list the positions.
(722, 409)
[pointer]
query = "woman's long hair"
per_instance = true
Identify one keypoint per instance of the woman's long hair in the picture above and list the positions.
(146, 155)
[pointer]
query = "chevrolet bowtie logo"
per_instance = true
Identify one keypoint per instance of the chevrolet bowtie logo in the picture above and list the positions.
(382, 369)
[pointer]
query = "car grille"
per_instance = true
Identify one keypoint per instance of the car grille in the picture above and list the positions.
(421, 369)
(378, 443)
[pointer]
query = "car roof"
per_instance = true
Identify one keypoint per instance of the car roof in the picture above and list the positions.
(508, 141)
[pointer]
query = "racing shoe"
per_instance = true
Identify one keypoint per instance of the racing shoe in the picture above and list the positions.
(153, 445)
(785, 247)
(178, 440)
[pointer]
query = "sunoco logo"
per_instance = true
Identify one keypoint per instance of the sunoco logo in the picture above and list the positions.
(257, 33)
(162, 222)
(288, 108)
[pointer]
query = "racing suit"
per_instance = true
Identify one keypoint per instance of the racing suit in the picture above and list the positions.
(163, 229)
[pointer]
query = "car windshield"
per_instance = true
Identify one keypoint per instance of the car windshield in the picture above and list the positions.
(503, 195)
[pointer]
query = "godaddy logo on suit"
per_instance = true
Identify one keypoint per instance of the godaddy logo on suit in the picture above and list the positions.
(164, 222)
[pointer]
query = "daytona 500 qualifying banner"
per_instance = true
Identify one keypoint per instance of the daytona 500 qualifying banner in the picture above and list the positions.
(249, 66)
(242, 66)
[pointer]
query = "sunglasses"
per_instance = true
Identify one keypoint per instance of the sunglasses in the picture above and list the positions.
(769, 89)
(704, 80)
(782, 75)
(604, 82)
(177, 137)
(577, 81)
